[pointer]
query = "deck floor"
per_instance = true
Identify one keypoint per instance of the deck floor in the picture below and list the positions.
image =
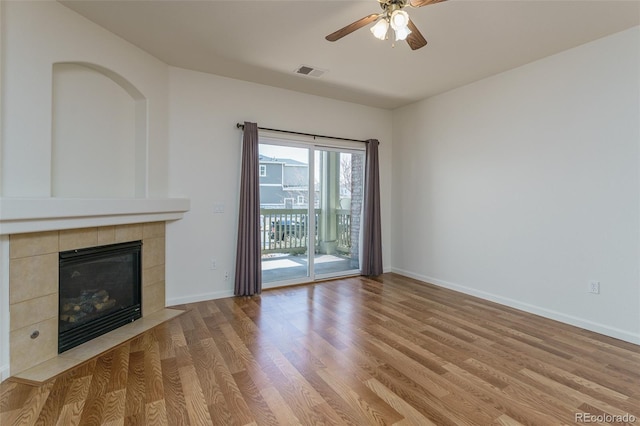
(287, 267)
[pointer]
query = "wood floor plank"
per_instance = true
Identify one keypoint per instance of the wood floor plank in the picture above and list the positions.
(156, 413)
(233, 399)
(410, 414)
(196, 405)
(419, 397)
(114, 406)
(205, 369)
(505, 420)
(96, 396)
(154, 389)
(70, 414)
(259, 408)
(571, 395)
(136, 391)
(119, 369)
(354, 351)
(339, 409)
(174, 397)
(527, 407)
(279, 407)
(368, 413)
(29, 412)
(56, 401)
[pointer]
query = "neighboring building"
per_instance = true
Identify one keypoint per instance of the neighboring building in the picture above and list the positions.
(284, 183)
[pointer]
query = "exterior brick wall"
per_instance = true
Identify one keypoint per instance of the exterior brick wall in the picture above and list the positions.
(357, 194)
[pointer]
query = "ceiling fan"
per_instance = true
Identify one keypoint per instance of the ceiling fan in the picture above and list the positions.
(392, 16)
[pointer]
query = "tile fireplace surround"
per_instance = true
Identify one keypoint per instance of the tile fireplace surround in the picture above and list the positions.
(32, 248)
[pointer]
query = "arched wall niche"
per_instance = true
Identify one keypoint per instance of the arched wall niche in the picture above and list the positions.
(99, 134)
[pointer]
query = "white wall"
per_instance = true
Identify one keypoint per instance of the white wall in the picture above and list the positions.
(205, 148)
(93, 135)
(524, 187)
(36, 35)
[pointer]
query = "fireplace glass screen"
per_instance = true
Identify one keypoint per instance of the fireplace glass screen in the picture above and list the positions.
(99, 291)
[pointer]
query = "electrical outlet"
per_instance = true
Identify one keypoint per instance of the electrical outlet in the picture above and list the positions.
(594, 287)
(226, 276)
(213, 264)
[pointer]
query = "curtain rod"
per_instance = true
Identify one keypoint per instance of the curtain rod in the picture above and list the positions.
(241, 126)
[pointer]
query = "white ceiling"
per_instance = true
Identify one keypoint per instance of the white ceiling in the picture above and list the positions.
(264, 41)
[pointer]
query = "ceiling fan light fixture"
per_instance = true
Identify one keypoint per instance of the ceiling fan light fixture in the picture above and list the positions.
(399, 19)
(402, 33)
(392, 16)
(379, 30)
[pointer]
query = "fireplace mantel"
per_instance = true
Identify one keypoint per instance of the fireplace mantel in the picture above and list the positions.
(23, 215)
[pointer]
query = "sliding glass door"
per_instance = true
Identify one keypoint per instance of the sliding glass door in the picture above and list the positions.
(310, 208)
(339, 197)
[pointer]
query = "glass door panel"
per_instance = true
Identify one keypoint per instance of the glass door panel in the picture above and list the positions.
(284, 213)
(338, 196)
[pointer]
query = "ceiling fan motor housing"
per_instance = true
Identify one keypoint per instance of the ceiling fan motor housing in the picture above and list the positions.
(390, 5)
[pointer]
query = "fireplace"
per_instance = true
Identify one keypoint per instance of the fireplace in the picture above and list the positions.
(34, 293)
(99, 291)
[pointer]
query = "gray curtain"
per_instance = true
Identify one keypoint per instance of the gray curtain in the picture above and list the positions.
(371, 222)
(248, 272)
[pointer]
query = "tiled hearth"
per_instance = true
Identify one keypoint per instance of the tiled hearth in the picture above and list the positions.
(33, 294)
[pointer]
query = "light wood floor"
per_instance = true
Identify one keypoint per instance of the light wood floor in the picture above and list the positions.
(353, 351)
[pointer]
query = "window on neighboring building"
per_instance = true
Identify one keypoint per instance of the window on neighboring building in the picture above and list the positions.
(300, 199)
(263, 170)
(288, 203)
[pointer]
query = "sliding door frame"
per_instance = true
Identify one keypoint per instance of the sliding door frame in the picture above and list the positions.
(313, 146)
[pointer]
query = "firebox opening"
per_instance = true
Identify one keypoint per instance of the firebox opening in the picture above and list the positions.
(100, 290)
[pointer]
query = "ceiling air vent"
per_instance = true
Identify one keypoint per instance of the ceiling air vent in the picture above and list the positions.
(307, 70)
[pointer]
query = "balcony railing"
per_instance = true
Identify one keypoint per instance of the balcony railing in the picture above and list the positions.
(287, 230)
(343, 218)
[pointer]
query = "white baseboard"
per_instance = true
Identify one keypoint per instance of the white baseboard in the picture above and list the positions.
(526, 307)
(199, 297)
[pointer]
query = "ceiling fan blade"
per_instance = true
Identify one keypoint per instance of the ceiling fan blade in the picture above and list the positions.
(415, 40)
(352, 27)
(420, 3)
